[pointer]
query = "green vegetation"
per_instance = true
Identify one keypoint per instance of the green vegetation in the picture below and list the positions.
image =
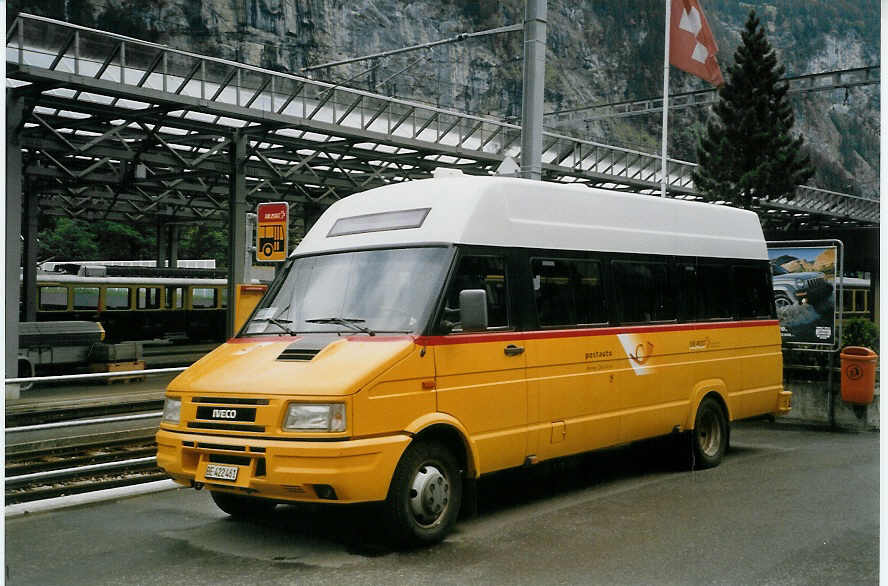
(747, 151)
(71, 239)
(860, 331)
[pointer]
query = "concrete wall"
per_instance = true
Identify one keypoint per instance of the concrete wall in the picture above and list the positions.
(811, 406)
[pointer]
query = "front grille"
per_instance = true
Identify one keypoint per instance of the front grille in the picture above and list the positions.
(223, 414)
(230, 401)
(224, 459)
(226, 426)
(298, 354)
(222, 447)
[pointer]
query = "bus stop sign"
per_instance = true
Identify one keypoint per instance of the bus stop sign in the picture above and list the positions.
(271, 231)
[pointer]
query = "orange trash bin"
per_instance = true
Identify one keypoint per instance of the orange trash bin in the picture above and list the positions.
(858, 374)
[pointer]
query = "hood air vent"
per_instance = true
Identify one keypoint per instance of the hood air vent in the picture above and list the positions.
(299, 354)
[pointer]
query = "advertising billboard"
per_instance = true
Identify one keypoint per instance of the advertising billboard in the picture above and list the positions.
(804, 279)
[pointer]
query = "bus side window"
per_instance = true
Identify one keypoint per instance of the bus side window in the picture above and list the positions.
(689, 294)
(174, 298)
(53, 298)
(642, 291)
(203, 297)
(86, 298)
(568, 292)
(148, 298)
(715, 291)
(480, 272)
(223, 294)
(752, 291)
(117, 298)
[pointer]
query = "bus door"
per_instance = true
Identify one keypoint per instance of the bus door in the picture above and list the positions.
(481, 376)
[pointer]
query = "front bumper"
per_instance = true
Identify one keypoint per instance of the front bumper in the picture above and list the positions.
(359, 470)
(784, 402)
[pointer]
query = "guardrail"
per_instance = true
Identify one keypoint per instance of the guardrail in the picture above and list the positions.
(64, 377)
(78, 422)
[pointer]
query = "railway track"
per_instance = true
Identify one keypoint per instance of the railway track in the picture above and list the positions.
(105, 439)
(72, 447)
(75, 470)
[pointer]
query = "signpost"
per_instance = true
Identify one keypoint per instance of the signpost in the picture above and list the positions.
(272, 220)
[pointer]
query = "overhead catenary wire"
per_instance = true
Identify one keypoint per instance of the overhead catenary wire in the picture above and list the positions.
(458, 38)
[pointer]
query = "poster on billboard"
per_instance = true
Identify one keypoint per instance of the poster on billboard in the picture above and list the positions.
(804, 280)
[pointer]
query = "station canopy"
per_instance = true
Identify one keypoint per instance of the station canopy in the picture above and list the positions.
(116, 128)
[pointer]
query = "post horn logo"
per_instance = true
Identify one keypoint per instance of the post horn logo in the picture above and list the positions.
(642, 353)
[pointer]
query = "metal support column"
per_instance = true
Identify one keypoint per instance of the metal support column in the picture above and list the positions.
(174, 245)
(160, 257)
(13, 233)
(534, 84)
(237, 221)
(29, 254)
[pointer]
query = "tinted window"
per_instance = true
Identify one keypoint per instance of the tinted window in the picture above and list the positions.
(53, 298)
(117, 298)
(689, 298)
(714, 292)
(752, 288)
(567, 292)
(479, 272)
(86, 298)
(642, 292)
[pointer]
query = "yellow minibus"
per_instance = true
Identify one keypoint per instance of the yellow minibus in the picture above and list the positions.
(426, 333)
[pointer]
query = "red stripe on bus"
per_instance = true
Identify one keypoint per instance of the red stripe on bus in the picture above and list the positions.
(549, 334)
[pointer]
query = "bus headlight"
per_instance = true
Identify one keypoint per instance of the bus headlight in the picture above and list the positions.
(171, 409)
(315, 417)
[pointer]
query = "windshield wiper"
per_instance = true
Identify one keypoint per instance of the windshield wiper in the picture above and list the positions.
(281, 323)
(349, 322)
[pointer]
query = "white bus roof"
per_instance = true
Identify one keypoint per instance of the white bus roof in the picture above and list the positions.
(499, 211)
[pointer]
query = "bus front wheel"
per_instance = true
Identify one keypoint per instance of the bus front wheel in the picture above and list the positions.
(710, 435)
(425, 495)
(242, 507)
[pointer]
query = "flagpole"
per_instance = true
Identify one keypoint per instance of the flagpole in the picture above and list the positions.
(663, 169)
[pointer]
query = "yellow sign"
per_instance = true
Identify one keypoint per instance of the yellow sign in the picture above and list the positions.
(271, 232)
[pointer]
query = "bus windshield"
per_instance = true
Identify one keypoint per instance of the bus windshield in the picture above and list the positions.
(370, 291)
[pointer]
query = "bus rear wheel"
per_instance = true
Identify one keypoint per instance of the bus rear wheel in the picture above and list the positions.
(242, 507)
(425, 495)
(710, 435)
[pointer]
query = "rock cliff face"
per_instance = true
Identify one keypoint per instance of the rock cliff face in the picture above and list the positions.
(599, 51)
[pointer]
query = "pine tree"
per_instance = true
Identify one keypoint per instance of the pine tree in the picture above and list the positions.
(747, 151)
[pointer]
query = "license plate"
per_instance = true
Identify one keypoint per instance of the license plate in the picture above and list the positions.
(221, 472)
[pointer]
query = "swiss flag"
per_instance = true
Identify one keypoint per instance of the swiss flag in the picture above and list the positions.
(691, 45)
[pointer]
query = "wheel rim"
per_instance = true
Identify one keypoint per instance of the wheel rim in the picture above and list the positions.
(429, 495)
(782, 302)
(709, 434)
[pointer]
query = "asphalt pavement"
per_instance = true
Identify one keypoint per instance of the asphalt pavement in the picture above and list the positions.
(787, 506)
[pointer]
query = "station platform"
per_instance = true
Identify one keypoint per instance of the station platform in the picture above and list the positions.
(89, 392)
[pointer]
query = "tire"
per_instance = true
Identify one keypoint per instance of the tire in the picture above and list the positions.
(242, 507)
(782, 300)
(710, 435)
(425, 495)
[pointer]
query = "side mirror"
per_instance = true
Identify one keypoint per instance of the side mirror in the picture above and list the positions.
(473, 310)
